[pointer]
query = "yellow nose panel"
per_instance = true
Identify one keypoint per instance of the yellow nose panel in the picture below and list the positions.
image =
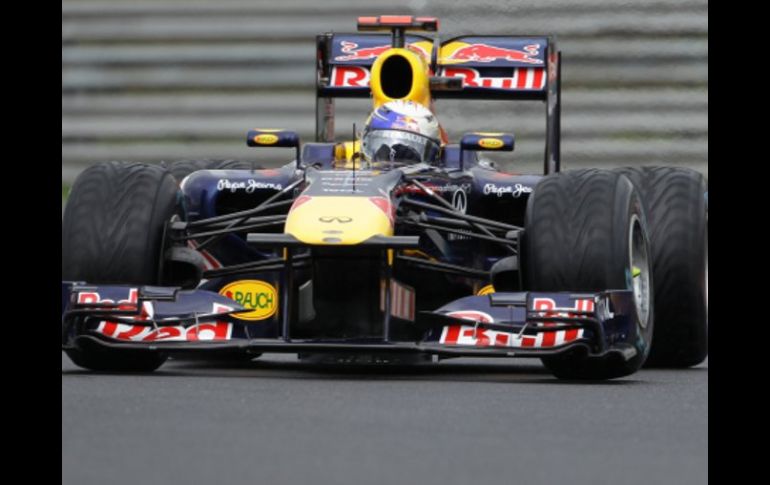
(339, 220)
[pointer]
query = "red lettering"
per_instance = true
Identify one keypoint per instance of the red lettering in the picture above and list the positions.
(209, 331)
(109, 329)
(538, 82)
(527, 342)
(521, 78)
(85, 297)
(571, 335)
(163, 333)
(549, 338)
(479, 334)
(452, 333)
(543, 304)
(132, 331)
(350, 76)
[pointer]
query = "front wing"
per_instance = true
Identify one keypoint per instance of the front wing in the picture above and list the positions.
(523, 324)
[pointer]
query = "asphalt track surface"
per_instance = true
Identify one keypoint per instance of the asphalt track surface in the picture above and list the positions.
(463, 421)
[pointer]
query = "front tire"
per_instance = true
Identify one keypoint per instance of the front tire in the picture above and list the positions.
(676, 204)
(111, 234)
(586, 231)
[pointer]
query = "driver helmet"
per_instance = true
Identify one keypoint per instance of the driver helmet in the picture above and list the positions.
(401, 131)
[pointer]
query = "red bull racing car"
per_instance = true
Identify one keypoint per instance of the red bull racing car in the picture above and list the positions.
(348, 258)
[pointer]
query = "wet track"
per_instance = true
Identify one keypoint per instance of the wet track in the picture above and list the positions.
(464, 421)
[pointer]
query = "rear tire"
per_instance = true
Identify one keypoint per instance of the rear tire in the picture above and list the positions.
(111, 234)
(585, 232)
(182, 168)
(675, 200)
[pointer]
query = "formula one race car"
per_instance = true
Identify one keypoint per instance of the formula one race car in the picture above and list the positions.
(343, 257)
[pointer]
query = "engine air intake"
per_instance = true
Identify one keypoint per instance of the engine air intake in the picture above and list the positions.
(396, 77)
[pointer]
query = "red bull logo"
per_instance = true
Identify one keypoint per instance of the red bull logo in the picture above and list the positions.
(407, 123)
(354, 53)
(490, 53)
(522, 78)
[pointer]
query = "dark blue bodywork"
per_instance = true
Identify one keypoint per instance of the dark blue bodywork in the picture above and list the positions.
(503, 323)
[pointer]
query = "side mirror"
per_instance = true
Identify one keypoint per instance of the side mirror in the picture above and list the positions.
(485, 142)
(275, 139)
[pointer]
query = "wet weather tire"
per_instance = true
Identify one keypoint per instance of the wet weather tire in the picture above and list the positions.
(182, 168)
(586, 232)
(677, 214)
(111, 234)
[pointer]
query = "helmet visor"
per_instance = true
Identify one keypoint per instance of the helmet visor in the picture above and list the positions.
(399, 146)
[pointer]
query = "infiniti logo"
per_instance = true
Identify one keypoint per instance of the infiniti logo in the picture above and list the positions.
(460, 201)
(341, 220)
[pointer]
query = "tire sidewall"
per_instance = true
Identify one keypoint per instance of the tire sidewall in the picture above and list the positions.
(676, 205)
(629, 208)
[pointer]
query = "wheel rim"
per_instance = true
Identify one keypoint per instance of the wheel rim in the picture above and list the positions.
(639, 272)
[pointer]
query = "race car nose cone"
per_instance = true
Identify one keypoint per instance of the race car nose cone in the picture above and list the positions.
(351, 220)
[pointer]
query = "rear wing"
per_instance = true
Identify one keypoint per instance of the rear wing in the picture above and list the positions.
(490, 67)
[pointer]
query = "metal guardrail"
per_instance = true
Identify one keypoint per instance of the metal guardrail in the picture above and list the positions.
(170, 79)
